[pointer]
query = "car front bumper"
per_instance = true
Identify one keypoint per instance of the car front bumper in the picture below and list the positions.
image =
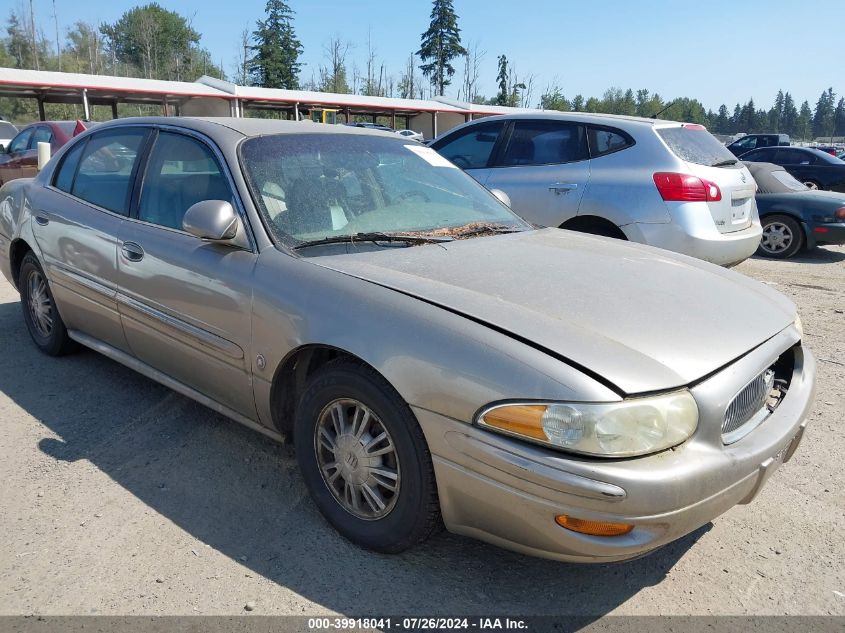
(692, 232)
(508, 492)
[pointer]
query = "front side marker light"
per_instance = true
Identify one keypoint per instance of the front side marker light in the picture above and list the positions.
(594, 528)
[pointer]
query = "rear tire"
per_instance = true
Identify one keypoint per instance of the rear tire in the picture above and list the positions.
(782, 237)
(378, 493)
(40, 313)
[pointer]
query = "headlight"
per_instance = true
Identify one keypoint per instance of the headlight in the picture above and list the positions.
(638, 426)
(799, 326)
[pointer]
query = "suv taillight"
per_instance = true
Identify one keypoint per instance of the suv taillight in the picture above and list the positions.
(685, 188)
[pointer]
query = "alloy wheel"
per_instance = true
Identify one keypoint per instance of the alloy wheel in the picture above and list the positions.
(357, 459)
(777, 237)
(40, 304)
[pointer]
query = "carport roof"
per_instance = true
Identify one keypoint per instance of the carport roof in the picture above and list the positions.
(55, 86)
(67, 87)
(306, 98)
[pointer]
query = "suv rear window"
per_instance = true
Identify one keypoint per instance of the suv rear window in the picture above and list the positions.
(694, 144)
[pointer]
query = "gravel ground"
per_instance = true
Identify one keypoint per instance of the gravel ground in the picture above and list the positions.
(121, 497)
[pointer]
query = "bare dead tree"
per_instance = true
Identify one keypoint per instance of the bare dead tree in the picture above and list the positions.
(333, 75)
(58, 45)
(472, 70)
(242, 58)
(34, 36)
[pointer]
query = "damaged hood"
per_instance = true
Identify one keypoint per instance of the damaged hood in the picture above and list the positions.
(643, 319)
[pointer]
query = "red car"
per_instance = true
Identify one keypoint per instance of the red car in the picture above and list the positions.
(20, 158)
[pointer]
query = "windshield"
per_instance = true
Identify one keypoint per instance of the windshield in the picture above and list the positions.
(788, 181)
(694, 144)
(316, 186)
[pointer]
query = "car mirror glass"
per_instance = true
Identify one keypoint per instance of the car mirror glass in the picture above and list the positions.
(214, 220)
(502, 197)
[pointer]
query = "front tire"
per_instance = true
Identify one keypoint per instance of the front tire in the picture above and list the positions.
(364, 459)
(782, 237)
(40, 313)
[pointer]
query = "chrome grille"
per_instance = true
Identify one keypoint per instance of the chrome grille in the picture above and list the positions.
(747, 403)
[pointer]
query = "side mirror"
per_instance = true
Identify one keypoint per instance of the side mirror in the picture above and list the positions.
(502, 196)
(214, 220)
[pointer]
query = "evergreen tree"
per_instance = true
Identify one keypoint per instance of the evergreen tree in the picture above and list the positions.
(823, 117)
(276, 49)
(839, 118)
(790, 115)
(736, 120)
(502, 78)
(723, 121)
(803, 124)
(578, 103)
(440, 44)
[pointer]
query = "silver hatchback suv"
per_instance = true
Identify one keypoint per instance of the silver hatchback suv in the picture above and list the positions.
(662, 183)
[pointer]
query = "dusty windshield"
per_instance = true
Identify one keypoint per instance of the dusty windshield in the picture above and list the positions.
(316, 186)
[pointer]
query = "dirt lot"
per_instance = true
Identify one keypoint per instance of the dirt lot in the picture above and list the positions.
(121, 497)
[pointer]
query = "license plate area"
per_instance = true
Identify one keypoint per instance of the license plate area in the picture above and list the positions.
(740, 210)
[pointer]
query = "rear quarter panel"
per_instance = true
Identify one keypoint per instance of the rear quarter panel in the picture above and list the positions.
(621, 187)
(15, 215)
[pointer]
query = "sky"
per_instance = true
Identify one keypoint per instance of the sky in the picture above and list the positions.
(719, 51)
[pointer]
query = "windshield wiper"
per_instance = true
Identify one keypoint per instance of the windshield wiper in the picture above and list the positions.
(374, 237)
(725, 163)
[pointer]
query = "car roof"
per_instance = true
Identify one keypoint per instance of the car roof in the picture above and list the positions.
(247, 126)
(587, 117)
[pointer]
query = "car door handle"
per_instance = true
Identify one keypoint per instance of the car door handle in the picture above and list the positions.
(562, 187)
(43, 220)
(132, 251)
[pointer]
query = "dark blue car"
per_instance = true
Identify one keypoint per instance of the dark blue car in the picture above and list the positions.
(793, 216)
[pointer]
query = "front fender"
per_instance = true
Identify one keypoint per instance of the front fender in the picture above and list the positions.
(434, 358)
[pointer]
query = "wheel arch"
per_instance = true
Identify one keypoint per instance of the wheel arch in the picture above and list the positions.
(17, 251)
(292, 373)
(594, 224)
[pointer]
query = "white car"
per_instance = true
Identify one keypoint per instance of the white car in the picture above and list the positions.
(661, 183)
(416, 136)
(7, 133)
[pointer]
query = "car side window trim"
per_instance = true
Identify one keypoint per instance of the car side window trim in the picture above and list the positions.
(502, 143)
(55, 175)
(143, 165)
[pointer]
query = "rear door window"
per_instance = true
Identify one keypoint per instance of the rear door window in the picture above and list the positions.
(67, 170)
(694, 144)
(106, 169)
(795, 157)
(545, 143)
(471, 148)
(42, 134)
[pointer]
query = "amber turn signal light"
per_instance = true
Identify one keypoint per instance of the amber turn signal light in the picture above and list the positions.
(595, 528)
